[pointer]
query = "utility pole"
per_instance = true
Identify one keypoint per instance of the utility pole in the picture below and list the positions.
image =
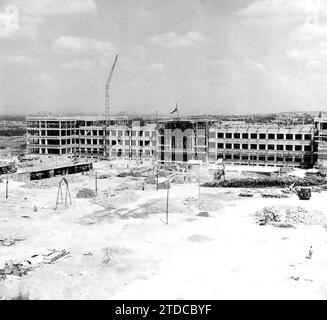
(7, 191)
(167, 206)
(224, 171)
(96, 182)
(199, 184)
(156, 151)
(157, 176)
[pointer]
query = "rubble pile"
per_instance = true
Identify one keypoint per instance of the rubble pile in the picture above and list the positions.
(268, 214)
(104, 176)
(191, 201)
(288, 191)
(205, 205)
(289, 216)
(21, 268)
(14, 268)
(9, 242)
(136, 172)
(181, 179)
(246, 193)
(274, 194)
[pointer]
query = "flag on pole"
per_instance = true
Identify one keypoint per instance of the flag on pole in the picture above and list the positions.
(175, 110)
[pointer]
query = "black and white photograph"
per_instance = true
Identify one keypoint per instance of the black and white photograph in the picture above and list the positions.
(163, 150)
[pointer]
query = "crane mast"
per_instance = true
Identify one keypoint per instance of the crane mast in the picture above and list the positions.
(108, 90)
(106, 111)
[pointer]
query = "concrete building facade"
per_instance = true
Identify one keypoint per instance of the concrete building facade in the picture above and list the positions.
(262, 145)
(320, 124)
(90, 137)
(51, 135)
(180, 140)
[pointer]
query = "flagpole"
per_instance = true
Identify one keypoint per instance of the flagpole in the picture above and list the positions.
(177, 111)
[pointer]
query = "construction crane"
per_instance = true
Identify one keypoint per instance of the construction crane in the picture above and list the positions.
(108, 90)
(107, 104)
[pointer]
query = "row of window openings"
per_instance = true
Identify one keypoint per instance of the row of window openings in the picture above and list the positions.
(146, 152)
(141, 143)
(264, 158)
(264, 147)
(119, 133)
(113, 133)
(36, 124)
(263, 136)
(53, 133)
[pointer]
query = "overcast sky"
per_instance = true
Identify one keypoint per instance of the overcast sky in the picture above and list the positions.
(210, 56)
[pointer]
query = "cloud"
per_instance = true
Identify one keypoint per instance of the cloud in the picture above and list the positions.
(143, 13)
(298, 54)
(281, 13)
(310, 32)
(283, 7)
(32, 14)
(16, 59)
(78, 45)
(83, 54)
(312, 57)
(43, 78)
(155, 67)
(171, 39)
(54, 7)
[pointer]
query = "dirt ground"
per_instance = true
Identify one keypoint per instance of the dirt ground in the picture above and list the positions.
(120, 248)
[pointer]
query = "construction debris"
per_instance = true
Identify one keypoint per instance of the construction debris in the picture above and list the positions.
(288, 216)
(9, 242)
(273, 194)
(21, 268)
(246, 193)
(204, 204)
(54, 256)
(203, 214)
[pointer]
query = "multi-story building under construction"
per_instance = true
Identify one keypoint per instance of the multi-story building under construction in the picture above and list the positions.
(176, 140)
(90, 137)
(263, 145)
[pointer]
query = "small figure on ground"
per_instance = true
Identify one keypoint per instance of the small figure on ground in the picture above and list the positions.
(309, 256)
